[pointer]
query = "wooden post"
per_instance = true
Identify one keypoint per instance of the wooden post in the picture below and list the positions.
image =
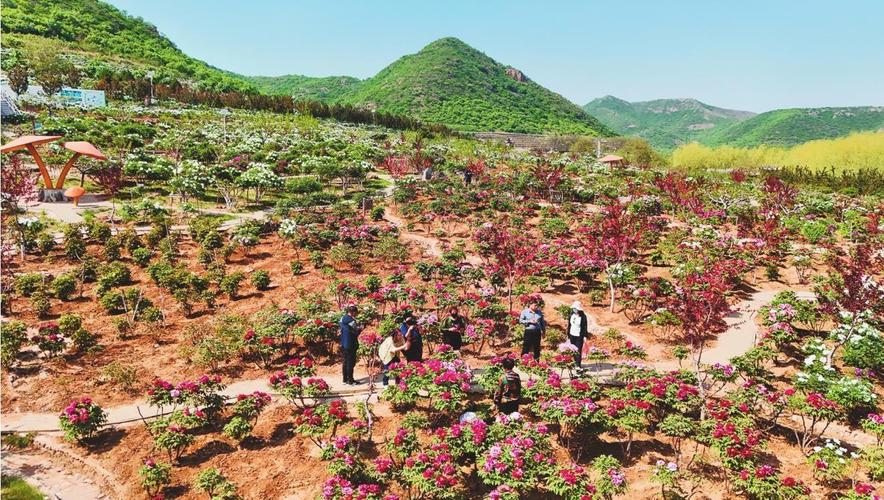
(45, 173)
(64, 172)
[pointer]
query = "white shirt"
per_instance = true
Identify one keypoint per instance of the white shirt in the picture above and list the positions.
(574, 329)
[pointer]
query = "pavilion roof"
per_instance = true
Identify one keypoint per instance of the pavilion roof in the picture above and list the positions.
(85, 149)
(26, 140)
(610, 158)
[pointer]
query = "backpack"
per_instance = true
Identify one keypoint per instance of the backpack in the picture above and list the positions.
(510, 387)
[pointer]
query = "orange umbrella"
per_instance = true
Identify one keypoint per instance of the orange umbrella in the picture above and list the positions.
(75, 192)
(80, 148)
(30, 142)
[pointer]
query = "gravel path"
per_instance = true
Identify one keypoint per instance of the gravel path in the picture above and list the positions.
(56, 482)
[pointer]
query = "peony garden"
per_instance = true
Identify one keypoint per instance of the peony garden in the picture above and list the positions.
(176, 335)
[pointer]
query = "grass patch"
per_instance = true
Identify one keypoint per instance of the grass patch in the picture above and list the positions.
(16, 488)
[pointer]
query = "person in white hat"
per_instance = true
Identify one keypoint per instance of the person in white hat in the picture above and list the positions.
(578, 329)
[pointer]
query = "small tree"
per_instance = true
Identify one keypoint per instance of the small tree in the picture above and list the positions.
(53, 72)
(18, 77)
(511, 253)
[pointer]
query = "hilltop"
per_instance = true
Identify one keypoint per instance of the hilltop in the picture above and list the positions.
(451, 83)
(665, 123)
(100, 37)
(788, 127)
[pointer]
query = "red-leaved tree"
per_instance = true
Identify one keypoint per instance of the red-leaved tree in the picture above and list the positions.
(507, 252)
(700, 303)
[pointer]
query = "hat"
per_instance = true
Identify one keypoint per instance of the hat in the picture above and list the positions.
(577, 306)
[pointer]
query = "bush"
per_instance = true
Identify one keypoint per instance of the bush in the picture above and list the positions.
(113, 275)
(74, 244)
(261, 279)
(230, 284)
(64, 286)
(88, 270)
(215, 485)
(13, 337)
(28, 284)
(124, 377)
(297, 267)
(303, 185)
(121, 301)
(377, 213)
(112, 249)
(155, 475)
(344, 255)
(390, 249)
(141, 256)
(81, 419)
(40, 304)
(45, 243)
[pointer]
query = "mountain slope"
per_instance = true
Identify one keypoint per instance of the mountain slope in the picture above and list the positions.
(99, 36)
(326, 89)
(788, 127)
(451, 83)
(665, 123)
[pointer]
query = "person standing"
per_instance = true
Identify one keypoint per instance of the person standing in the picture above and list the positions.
(467, 177)
(535, 325)
(349, 334)
(578, 329)
(508, 394)
(453, 327)
(389, 350)
(414, 342)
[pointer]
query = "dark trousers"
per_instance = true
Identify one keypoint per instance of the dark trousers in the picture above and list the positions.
(507, 407)
(578, 342)
(531, 343)
(349, 363)
(386, 378)
(453, 339)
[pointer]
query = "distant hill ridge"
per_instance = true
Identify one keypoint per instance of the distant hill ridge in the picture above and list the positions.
(665, 123)
(451, 83)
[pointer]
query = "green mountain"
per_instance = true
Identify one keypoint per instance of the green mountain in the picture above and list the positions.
(788, 127)
(325, 89)
(99, 37)
(665, 123)
(451, 83)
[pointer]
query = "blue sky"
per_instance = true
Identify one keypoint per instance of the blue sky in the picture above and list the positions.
(752, 55)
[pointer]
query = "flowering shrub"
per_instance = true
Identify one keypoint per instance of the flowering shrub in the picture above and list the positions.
(154, 475)
(171, 434)
(610, 479)
(204, 392)
(631, 350)
(49, 339)
(667, 475)
(296, 390)
(434, 473)
(301, 367)
(734, 433)
(874, 424)
(245, 414)
(444, 380)
(831, 461)
(519, 456)
(321, 422)
(571, 482)
(764, 482)
(815, 412)
(339, 488)
(81, 419)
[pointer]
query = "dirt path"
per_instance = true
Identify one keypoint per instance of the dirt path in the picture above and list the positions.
(55, 481)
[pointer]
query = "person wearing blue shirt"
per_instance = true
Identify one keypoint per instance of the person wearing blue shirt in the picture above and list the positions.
(532, 319)
(349, 334)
